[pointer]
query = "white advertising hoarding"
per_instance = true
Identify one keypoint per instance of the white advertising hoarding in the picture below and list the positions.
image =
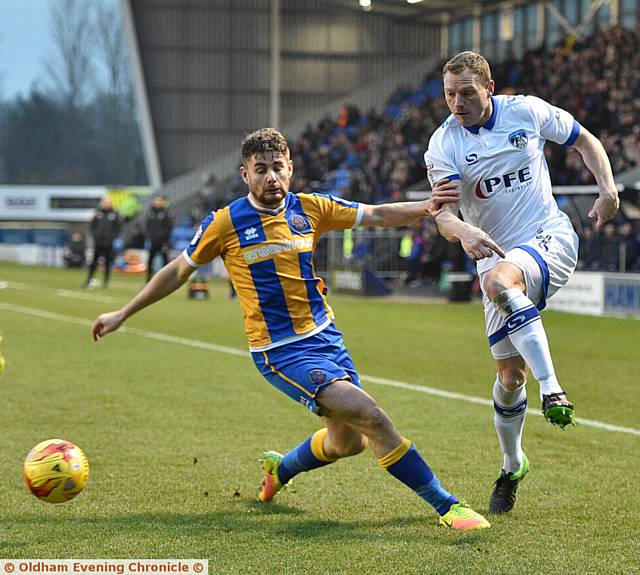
(65, 203)
(584, 293)
(49, 203)
(598, 293)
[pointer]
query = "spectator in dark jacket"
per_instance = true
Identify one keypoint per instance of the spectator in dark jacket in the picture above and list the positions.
(158, 226)
(589, 250)
(74, 249)
(105, 227)
(631, 247)
(609, 256)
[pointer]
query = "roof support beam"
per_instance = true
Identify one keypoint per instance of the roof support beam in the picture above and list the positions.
(149, 148)
(274, 114)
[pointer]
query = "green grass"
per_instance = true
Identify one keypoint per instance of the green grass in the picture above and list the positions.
(145, 410)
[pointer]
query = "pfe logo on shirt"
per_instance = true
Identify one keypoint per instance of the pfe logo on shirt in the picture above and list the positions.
(250, 234)
(519, 139)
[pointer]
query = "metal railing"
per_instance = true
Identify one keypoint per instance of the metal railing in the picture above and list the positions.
(378, 249)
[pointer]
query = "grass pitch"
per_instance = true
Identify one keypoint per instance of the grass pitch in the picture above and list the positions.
(173, 432)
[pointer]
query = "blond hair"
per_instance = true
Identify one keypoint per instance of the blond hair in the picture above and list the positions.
(469, 61)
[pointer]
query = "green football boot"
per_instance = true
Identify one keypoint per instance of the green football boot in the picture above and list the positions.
(270, 483)
(557, 410)
(463, 518)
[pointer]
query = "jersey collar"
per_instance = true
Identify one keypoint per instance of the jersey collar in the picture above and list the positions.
(489, 123)
(267, 211)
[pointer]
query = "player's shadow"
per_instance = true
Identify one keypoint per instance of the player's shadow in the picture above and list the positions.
(249, 519)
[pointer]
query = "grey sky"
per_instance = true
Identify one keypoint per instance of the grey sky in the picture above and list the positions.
(24, 43)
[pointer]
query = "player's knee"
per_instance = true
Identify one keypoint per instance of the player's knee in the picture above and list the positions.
(494, 284)
(504, 298)
(512, 378)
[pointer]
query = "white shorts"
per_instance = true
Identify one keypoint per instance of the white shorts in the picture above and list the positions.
(547, 262)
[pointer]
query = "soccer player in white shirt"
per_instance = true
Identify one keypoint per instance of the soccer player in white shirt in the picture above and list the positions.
(491, 149)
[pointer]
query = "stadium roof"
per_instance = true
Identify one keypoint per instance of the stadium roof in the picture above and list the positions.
(427, 10)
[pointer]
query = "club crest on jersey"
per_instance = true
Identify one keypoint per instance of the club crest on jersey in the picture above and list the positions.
(298, 223)
(317, 376)
(519, 139)
(250, 234)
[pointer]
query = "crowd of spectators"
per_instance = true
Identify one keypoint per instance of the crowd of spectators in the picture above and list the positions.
(372, 156)
(608, 249)
(597, 79)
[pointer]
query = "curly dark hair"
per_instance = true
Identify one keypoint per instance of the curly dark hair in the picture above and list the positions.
(266, 140)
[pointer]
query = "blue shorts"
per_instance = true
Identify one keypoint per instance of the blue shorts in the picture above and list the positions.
(303, 368)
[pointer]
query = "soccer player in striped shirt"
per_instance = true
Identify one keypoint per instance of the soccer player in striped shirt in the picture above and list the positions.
(266, 240)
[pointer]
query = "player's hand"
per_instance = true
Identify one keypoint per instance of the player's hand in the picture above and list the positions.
(479, 245)
(604, 209)
(444, 192)
(106, 323)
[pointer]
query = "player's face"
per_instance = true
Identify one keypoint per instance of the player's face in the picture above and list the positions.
(268, 177)
(468, 100)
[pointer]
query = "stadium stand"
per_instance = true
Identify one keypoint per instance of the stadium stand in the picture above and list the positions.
(373, 156)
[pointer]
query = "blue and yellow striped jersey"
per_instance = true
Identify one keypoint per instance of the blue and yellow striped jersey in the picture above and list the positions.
(269, 258)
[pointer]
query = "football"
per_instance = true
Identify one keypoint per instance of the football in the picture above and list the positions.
(56, 470)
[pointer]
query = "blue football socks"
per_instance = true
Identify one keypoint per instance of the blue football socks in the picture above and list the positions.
(408, 466)
(305, 457)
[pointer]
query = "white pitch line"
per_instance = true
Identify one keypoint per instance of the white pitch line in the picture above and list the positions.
(16, 285)
(243, 353)
(482, 401)
(85, 296)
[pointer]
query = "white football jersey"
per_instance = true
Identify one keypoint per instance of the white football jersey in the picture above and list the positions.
(505, 183)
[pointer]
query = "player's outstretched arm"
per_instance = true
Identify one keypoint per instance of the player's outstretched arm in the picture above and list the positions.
(166, 281)
(595, 158)
(405, 213)
(476, 243)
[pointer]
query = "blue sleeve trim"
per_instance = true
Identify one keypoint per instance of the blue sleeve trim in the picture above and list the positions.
(453, 177)
(575, 132)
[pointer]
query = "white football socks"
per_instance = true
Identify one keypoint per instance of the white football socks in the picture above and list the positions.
(509, 411)
(527, 334)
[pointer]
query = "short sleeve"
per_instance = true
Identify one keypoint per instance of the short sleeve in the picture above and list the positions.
(554, 123)
(437, 164)
(335, 213)
(206, 244)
